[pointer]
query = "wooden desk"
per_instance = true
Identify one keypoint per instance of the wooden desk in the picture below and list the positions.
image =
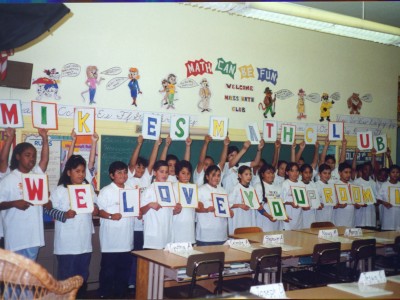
(341, 230)
(331, 293)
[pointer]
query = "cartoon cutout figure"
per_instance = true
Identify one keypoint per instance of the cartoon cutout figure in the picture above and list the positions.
(171, 90)
(164, 91)
(134, 84)
(301, 105)
(325, 108)
(91, 82)
(269, 103)
(205, 95)
(48, 86)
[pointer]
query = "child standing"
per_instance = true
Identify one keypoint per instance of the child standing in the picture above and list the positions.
(306, 172)
(116, 235)
(210, 230)
(23, 223)
(72, 239)
(326, 213)
(330, 159)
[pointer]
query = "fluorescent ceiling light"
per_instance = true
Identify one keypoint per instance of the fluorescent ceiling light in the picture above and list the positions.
(309, 18)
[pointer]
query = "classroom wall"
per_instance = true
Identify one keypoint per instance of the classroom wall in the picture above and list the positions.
(159, 38)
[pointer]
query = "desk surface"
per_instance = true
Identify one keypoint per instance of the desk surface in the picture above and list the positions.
(341, 230)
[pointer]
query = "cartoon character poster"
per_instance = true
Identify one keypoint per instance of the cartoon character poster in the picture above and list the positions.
(326, 105)
(92, 81)
(169, 91)
(47, 86)
(134, 84)
(355, 102)
(205, 96)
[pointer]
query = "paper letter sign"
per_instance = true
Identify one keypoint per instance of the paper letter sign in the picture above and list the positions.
(129, 204)
(151, 127)
(179, 128)
(364, 140)
(277, 208)
(84, 121)
(44, 115)
(327, 197)
(380, 143)
(335, 131)
(188, 195)
(270, 131)
(221, 205)
(288, 134)
(35, 188)
(368, 195)
(313, 198)
(343, 194)
(11, 114)
(299, 196)
(81, 198)
(218, 128)
(253, 134)
(249, 197)
(164, 193)
(356, 194)
(310, 134)
(394, 195)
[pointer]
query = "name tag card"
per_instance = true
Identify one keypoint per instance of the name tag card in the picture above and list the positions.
(179, 247)
(368, 195)
(313, 198)
(188, 195)
(164, 194)
(242, 243)
(35, 188)
(328, 196)
(373, 277)
(269, 291)
(249, 197)
(356, 194)
(353, 232)
(343, 194)
(277, 208)
(129, 202)
(273, 239)
(300, 196)
(81, 198)
(394, 195)
(328, 233)
(221, 205)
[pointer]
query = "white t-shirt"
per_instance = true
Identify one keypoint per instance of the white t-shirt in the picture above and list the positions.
(75, 235)
(210, 228)
(2, 175)
(172, 178)
(198, 178)
(157, 223)
(326, 213)
(183, 224)
(296, 214)
(344, 216)
(390, 219)
(278, 180)
(309, 215)
(271, 190)
(335, 177)
(230, 176)
(22, 228)
(115, 236)
(366, 216)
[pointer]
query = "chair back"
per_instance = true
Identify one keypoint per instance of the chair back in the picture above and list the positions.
(322, 224)
(268, 260)
(396, 246)
(327, 253)
(247, 230)
(23, 278)
(363, 250)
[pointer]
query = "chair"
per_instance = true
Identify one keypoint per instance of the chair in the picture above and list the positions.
(323, 254)
(322, 224)
(198, 265)
(263, 261)
(391, 263)
(22, 278)
(247, 230)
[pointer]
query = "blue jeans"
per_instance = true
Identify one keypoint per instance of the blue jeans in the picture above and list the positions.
(30, 253)
(200, 243)
(70, 265)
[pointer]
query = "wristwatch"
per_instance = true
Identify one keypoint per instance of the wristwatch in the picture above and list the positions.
(110, 216)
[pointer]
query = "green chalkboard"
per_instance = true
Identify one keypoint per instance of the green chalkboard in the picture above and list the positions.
(121, 147)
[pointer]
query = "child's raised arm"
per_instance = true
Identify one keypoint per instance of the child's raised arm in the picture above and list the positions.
(5, 152)
(92, 154)
(153, 156)
(135, 154)
(342, 157)
(299, 153)
(354, 164)
(168, 142)
(314, 162)
(277, 150)
(293, 152)
(188, 143)
(44, 155)
(242, 151)
(324, 151)
(73, 142)
(203, 153)
(257, 158)
(224, 153)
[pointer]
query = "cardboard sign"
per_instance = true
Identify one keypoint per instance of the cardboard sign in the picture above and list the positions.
(179, 247)
(269, 291)
(253, 133)
(187, 195)
(273, 239)
(353, 232)
(328, 196)
(81, 198)
(343, 194)
(35, 188)
(221, 205)
(356, 193)
(277, 208)
(364, 140)
(394, 195)
(299, 196)
(372, 277)
(327, 233)
(179, 128)
(380, 143)
(164, 194)
(129, 202)
(249, 197)
(310, 134)
(270, 131)
(151, 127)
(313, 198)
(44, 115)
(288, 134)
(335, 131)
(11, 114)
(368, 195)
(239, 243)
(218, 129)
(84, 121)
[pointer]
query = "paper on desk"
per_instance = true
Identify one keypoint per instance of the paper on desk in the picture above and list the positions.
(360, 290)
(338, 239)
(285, 247)
(244, 249)
(378, 239)
(186, 254)
(394, 278)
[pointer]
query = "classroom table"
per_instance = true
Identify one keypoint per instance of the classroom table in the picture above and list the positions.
(341, 230)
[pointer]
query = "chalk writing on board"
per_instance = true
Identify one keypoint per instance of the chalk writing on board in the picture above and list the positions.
(71, 70)
(112, 71)
(187, 83)
(115, 82)
(380, 123)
